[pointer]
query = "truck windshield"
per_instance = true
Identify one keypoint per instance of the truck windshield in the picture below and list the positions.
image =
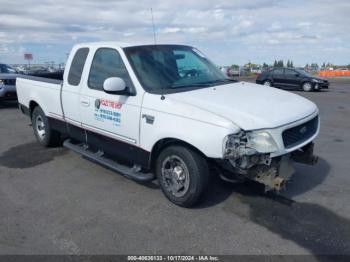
(173, 68)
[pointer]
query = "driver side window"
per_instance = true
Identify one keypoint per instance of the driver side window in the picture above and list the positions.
(289, 72)
(107, 63)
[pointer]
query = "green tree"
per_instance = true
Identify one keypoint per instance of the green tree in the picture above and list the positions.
(280, 63)
(314, 66)
(291, 64)
(275, 64)
(265, 65)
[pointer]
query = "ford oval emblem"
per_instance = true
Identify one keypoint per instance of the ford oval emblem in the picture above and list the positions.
(303, 130)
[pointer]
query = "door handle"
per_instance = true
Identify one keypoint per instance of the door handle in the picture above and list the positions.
(85, 102)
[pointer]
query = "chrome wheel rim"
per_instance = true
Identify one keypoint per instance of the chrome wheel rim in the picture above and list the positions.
(40, 127)
(307, 87)
(267, 83)
(175, 176)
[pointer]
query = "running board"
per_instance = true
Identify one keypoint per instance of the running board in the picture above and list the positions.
(131, 173)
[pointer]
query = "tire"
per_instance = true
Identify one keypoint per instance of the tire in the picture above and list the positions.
(307, 87)
(267, 83)
(42, 130)
(317, 88)
(183, 175)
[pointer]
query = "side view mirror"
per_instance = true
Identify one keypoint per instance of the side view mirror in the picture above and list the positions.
(114, 85)
(297, 75)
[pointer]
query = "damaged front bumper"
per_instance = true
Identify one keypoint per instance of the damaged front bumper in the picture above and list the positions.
(272, 172)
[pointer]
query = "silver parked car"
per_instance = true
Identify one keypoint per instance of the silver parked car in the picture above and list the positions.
(7, 82)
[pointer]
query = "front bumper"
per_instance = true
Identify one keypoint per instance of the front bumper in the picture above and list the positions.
(305, 155)
(8, 92)
(323, 85)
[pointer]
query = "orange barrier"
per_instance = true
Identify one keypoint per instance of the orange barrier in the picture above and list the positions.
(334, 73)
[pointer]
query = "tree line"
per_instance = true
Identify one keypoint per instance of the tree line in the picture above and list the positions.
(280, 63)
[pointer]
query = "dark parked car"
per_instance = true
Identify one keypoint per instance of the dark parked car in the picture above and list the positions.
(7, 82)
(291, 78)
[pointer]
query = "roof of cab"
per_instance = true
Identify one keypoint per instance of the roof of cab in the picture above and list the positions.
(112, 43)
(104, 43)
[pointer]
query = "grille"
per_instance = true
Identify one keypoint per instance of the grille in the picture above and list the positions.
(299, 134)
(10, 82)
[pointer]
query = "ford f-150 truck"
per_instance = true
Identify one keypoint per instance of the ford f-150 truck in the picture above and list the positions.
(167, 112)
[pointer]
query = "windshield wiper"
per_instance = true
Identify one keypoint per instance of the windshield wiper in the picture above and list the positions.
(205, 84)
(192, 85)
(227, 80)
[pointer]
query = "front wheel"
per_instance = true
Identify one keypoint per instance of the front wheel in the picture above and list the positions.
(42, 129)
(183, 175)
(267, 83)
(307, 86)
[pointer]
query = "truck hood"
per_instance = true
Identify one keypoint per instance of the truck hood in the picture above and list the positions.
(250, 106)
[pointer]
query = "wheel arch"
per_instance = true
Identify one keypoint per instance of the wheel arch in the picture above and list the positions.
(32, 104)
(268, 78)
(166, 142)
(305, 81)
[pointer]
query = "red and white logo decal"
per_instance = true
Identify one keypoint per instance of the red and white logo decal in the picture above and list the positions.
(111, 104)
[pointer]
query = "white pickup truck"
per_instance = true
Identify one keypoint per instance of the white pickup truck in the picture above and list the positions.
(167, 112)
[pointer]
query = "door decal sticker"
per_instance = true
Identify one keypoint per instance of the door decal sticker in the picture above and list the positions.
(107, 111)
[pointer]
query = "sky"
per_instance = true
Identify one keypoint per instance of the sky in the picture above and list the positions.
(227, 31)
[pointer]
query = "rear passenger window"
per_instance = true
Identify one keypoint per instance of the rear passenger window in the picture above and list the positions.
(107, 63)
(278, 72)
(77, 66)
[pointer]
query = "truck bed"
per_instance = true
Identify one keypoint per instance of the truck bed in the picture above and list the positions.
(41, 79)
(50, 75)
(42, 91)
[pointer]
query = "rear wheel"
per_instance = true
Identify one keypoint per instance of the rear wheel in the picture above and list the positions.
(267, 83)
(183, 175)
(307, 86)
(42, 129)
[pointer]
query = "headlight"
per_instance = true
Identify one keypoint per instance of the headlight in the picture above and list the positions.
(2, 82)
(262, 142)
(248, 143)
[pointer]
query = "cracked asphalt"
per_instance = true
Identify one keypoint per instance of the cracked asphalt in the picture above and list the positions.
(52, 201)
